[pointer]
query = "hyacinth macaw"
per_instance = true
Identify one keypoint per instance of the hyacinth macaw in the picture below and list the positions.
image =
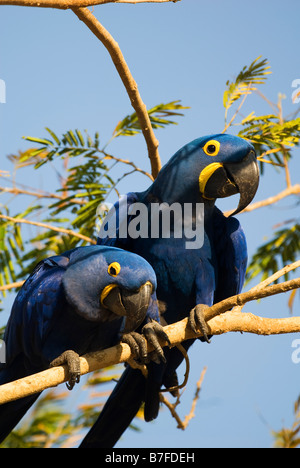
(83, 300)
(189, 279)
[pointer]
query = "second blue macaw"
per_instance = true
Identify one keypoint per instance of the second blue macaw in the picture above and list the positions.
(189, 279)
(83, 300)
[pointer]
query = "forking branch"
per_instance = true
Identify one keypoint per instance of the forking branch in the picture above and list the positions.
(219, 323)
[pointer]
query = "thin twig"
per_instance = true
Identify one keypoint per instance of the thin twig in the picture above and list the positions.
(293, 190)
(172, 409)
(187, 371)
(247, 92)
(130, 163)
(253, 295)
(283, 149)
(66, 4)
(191, 414)
(69, 232)
(18, 191)
(17, 284)
(277, 275)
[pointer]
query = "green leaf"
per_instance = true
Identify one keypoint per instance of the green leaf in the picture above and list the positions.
(282, 249)
(160, 116)
(254, 74)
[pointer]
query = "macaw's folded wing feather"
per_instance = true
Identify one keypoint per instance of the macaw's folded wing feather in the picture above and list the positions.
(192, 272)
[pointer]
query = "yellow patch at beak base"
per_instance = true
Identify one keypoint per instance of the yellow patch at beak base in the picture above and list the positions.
(206, 175)
(106, 292)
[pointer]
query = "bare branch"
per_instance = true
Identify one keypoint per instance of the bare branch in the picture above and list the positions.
(130, 163)
(293, 190)
(66, 4)
(252, 295)
(69, 232)
(177, 332)
(131, 87)
(191, 414)
(17, 284)
(18, 191)
(277, 275)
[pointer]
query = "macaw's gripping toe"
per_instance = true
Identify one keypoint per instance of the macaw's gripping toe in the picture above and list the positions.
(72, 360)
(197, 321)
(138, 346)
(154, 333)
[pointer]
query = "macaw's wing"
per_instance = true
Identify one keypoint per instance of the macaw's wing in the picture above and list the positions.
(113, 231)
(34, 311)
(232, 256)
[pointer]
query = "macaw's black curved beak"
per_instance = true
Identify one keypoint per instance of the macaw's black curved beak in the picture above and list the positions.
(230, 179)
(132, 305)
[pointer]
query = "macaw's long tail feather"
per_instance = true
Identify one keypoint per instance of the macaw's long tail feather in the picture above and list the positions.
(118, 412)
(11, 413)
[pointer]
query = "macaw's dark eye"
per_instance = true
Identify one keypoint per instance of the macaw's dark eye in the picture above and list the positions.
(114, 269)
(211, 148)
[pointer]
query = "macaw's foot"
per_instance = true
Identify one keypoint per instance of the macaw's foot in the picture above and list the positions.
(154, 332)
(72, 360)
(138, 346)
(197, 321)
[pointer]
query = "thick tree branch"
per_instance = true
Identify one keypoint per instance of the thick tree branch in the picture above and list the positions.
(230, 322)
(131, 87)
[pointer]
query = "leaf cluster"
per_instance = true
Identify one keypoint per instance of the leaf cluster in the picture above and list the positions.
(11, 248)
(160, 116)
(86, 181)
(86, 177)
(274, 138)
(282, 249)
(253, 74)
(289, 437)
(271, 137)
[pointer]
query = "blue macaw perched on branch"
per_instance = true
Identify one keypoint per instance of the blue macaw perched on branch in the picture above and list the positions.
(190, 277)
(83, 300)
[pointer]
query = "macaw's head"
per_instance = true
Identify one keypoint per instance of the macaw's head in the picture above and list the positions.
(106, 283)
(215, 166)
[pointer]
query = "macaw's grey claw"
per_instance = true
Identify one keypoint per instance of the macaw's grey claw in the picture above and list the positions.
(197, 321)
(72, 360)
(154, 333)
(138, 346)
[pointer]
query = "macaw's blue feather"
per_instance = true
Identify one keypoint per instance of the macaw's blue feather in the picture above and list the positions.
(208, 168)
(62, 306)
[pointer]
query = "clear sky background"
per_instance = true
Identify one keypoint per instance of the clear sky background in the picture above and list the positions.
(58, 75)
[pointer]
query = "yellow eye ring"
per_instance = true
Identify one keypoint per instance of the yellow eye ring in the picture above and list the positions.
(211, 148)
(114, 269)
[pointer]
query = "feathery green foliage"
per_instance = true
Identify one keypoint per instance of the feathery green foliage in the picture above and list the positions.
(86, 176)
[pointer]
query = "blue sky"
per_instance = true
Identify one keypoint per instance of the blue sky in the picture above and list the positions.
(58, 75)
